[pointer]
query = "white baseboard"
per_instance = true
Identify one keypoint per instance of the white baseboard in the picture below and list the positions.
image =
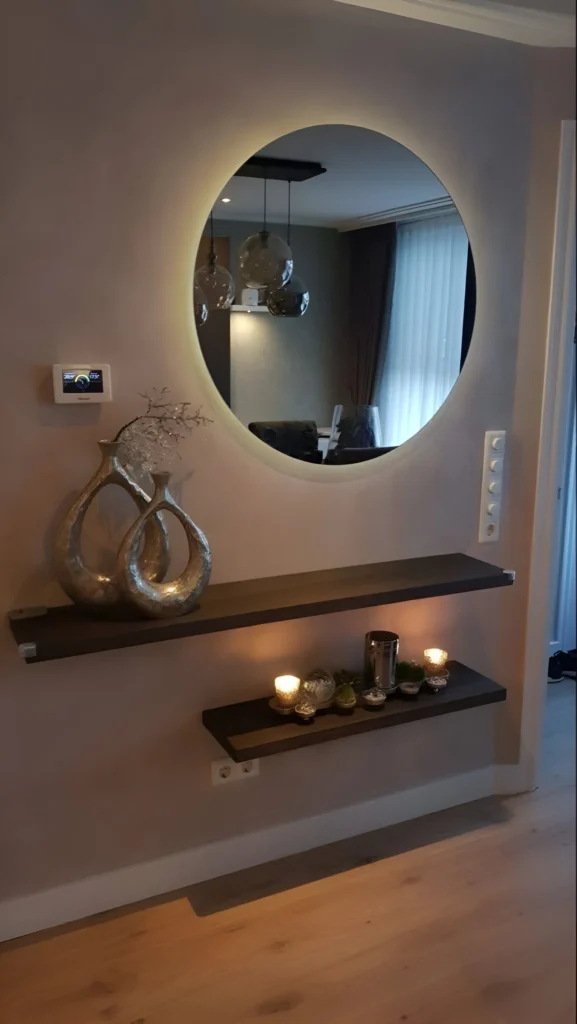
(511, 779)
(77, 900)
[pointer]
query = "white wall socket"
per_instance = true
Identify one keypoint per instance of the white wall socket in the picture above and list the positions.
(492, 486)
(226, 770)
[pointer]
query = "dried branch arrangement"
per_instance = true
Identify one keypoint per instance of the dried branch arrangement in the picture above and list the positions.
(151, 439)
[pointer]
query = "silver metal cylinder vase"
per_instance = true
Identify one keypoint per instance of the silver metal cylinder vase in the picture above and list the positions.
(381, 651)
(89, 587)
(179, 596)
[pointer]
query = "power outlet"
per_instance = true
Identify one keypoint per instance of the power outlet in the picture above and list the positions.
(226, 770)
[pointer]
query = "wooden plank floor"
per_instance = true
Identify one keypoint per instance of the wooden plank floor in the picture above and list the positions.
(474, 928)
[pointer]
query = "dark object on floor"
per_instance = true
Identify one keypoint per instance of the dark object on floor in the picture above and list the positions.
(561, 664)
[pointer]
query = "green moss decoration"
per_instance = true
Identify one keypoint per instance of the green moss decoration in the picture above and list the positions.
(409, 672)
(345, 693)
(346, 678)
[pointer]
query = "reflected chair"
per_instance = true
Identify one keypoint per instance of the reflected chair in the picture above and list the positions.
(348, 456)
(298, 438)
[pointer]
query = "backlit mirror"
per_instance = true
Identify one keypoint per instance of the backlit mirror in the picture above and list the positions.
(334, 294)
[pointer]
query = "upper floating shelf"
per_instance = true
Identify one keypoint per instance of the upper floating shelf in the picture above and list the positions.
(68, 630)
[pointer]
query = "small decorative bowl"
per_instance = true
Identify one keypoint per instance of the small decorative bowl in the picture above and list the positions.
(438, 682)
(409, 690)
(374, 698)
(306, 711)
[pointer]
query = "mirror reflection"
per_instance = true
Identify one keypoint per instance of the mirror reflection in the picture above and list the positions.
(334, 294)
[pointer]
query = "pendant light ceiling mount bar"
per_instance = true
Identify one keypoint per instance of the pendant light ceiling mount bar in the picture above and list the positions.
(274, 169)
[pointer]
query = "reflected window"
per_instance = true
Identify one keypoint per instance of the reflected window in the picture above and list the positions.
(422, 352)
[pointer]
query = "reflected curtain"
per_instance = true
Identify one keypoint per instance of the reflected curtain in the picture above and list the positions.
(372, 255)
(424, 345)
(470, 306)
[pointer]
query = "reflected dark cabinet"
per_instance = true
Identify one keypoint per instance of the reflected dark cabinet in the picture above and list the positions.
(214, 335)
(214, 338)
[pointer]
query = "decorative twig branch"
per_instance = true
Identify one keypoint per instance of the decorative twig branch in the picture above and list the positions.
(153, 436)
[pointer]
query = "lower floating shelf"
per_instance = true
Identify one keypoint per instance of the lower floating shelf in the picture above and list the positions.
(252, 729)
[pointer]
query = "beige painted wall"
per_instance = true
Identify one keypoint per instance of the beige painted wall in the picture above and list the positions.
(119, 132)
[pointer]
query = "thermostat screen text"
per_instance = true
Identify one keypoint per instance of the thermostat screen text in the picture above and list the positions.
(75, 382)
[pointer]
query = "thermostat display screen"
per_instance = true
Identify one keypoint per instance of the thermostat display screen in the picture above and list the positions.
(75, 382)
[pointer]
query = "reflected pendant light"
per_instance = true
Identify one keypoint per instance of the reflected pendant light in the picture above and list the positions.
(200, 306)
(265, 260)
(291, 299)
(214, 281)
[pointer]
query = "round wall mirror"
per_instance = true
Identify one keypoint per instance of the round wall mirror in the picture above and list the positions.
(334, 294)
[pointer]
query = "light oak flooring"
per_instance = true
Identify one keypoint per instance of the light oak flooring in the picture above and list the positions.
(467, 917)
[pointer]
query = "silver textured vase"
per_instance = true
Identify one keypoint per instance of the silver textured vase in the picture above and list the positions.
(179, 596)
(89, 587)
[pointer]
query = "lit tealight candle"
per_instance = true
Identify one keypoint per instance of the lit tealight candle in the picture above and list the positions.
(287, 690)
(435, 661)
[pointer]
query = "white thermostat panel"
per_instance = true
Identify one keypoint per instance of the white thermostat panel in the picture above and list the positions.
(81, 383)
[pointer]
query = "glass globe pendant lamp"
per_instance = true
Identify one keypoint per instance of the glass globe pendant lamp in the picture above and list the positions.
(200, 306)
(291, 299)
(214, 281)
(265, 260)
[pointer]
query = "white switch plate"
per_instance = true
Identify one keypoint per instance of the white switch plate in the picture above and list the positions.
(226, 770)
(492, 486)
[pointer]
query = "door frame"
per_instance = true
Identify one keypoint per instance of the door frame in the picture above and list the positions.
(555, 415)
(567, 443)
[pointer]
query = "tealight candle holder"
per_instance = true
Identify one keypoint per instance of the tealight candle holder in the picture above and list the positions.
(410, 690)
(306, 711)
(287, 690)
(435, 661)
(374, 698)
(438, 682)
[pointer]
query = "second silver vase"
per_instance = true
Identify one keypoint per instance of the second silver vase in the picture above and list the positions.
(176, 597)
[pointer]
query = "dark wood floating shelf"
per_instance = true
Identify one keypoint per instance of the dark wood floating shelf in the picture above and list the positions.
(68, 630)
(253, 729)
